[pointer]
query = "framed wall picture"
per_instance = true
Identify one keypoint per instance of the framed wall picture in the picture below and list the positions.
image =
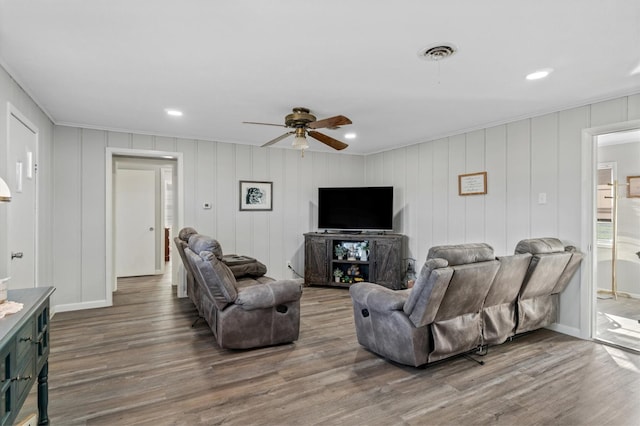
(472, 184)
(633, 186)
(256, 196)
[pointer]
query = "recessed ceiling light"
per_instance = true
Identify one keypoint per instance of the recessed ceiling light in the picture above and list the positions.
(350, 135)
(174, 112)
(537, 75)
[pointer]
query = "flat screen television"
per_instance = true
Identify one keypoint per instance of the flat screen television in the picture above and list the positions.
(356, 208)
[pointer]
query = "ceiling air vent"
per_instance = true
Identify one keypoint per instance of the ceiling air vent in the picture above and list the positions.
(437, 52)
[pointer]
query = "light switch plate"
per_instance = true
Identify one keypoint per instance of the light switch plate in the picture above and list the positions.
(542, 198)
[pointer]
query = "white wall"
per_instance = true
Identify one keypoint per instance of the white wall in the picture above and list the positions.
(522, 159)
(212, 172)
(11, 92)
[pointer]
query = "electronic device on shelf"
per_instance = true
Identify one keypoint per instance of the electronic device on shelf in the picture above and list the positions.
(356, 208)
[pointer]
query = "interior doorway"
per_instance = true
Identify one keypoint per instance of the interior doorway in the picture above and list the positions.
(22, 154)
(617, 248)
(168, 167)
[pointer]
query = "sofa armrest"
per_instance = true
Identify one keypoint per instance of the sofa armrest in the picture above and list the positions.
(269, 294)
(378, 298)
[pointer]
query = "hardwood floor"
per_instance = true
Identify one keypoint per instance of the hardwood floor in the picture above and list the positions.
(141, 363)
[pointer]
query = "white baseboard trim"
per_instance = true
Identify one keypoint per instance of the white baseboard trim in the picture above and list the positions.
(80, 306)
(571, 331)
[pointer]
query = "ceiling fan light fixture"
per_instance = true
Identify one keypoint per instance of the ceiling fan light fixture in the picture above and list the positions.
(300, 141)
(350, 135)
(305, 124)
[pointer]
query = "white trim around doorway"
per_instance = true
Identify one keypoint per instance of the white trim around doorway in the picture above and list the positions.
(178, 220)
(589, 165)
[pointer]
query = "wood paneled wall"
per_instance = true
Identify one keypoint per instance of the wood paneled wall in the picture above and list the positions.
(522, 159)
(11, 92)
(212, 171)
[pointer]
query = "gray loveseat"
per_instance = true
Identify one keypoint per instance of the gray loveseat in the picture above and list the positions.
(243, 307)
(464, 299)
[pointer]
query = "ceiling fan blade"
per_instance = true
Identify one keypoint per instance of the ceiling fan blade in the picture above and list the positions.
(278, 139)
(327, 140)
(331, 122)
(263, 124)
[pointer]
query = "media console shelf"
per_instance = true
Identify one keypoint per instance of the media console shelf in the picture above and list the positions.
(375, 258)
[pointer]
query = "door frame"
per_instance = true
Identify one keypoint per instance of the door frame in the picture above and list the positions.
(588, 280)
(15, 112)
(110, 280)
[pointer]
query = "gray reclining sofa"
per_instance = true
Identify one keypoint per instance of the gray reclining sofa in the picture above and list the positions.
(464, 299)
(243, 307)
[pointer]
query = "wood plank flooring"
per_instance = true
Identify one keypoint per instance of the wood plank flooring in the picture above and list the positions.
(141, 363)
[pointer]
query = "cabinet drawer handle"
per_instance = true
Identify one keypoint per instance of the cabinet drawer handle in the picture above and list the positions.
(18, 378)
(30, 339)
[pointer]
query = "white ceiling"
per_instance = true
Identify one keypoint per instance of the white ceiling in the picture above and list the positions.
(116, 64)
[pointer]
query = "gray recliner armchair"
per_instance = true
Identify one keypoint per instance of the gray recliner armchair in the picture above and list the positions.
(438, 318)
(244, 308)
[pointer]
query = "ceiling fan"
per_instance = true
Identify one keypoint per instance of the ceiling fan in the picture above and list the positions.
(304, 123)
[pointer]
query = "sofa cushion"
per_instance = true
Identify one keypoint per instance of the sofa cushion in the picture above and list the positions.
(217, 278)
(237, 259)
(428, 291)
(462, 254)
(254, 269)
(540, 246)
(569, 270)
(244, 266)
(199, 243)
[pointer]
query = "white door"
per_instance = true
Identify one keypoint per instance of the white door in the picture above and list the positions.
(23, 141)
(135, 214)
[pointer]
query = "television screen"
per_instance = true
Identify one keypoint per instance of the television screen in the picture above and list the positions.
(356, 208)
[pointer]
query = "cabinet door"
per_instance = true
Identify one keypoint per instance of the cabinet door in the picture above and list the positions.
(387, 263)
(42, 336)
(7, 369)
(315, 261)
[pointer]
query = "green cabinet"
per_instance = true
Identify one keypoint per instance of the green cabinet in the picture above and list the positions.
(24, 351)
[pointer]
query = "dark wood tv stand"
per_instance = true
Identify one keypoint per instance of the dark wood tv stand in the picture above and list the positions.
(383, 265)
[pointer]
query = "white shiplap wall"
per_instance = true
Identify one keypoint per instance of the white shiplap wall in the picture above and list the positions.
(522, 159)
(11, 92)
(212, 171)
